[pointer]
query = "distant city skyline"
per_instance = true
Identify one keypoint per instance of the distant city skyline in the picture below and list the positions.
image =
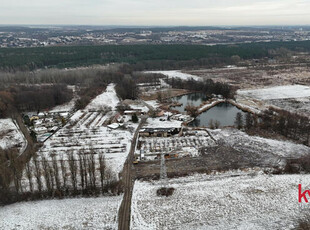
(156, 13)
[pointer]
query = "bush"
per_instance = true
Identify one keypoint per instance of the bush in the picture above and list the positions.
(304, 224)
(134, 118)
(165, 191)
(295, 166)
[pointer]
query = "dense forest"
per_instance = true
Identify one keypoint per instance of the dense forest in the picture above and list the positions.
(143, 56)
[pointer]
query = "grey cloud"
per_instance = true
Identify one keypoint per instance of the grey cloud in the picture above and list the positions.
(155, 12)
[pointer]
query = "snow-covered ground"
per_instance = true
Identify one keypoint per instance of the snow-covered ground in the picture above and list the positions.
(80, 213)
(11, 136)
(209, 105)
(86, 131)
(153, 103)
(183, 146)
(157, 123)
(177, 74)
(262, 146)
(233, 200)
(277, 92)
(89, 133)
(107, 99)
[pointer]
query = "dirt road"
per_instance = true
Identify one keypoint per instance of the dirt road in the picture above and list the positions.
(31, 146)
(128, 180)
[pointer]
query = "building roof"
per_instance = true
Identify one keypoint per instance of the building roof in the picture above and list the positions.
(113, 126)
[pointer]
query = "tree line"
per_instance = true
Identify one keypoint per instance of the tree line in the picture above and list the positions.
(208, 86)
(72, 56)
(49, 178)
(287, 124)
(33, 91)
(32, 98)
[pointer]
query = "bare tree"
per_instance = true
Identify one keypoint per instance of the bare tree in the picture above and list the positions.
(211, 124)
(217, 124)
(63, 172)
(46, 174)
(249, 120)
(102, 168)
(239, 120)
(29, 176)
(81, 171)
(73, 170)
(85, 170)
(37, 173)
(56, 172)
(192, 110)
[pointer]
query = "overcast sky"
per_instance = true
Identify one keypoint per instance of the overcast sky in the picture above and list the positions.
(156, 12)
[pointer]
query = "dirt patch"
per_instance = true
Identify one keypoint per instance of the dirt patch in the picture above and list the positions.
(219, 158)
(166, 93)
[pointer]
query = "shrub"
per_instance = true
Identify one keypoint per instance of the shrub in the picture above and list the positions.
(135, 118)
(303, 224)
(165, 191)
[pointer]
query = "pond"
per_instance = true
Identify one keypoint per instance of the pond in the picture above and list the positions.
(225, 113)
(195, 99)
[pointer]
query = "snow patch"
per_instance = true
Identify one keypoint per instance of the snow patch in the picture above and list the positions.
(177, 74)
(278, 92)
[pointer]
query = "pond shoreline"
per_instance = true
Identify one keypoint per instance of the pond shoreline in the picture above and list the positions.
(221, 110)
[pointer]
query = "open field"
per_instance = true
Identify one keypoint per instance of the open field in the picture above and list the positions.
(78, 213)
(177, 74)
(256, 75)
(277, 92)
(233, 200)
(293, 98)
(233, 150)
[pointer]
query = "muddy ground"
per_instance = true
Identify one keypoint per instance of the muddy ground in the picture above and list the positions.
(258, 76)
(220, 158)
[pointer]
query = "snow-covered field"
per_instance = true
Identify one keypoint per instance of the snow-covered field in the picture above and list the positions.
(10, 135)
(80, 213)
(157, 123)
(104, 100)
(262, 146)
(277, 92)
(177, 74)
(246, 200)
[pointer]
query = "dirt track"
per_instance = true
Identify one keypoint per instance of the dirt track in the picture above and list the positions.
(128, 180)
